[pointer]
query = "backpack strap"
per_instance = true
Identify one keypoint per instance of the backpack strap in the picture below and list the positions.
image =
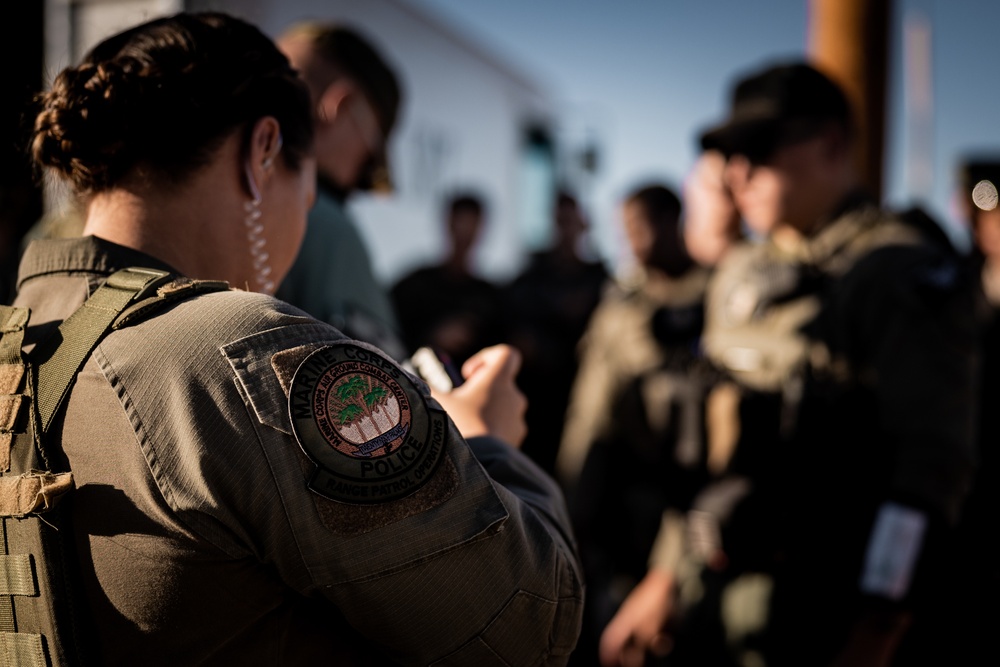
(79, 334)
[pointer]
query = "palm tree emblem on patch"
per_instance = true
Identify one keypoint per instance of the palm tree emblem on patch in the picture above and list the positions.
(365, 412)
(364, 423)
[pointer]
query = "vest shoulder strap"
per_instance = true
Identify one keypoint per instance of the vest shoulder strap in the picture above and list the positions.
(59, 360)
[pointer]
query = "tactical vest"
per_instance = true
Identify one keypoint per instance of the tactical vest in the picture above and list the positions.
(43, 621)
(768, 329)
(761, 307)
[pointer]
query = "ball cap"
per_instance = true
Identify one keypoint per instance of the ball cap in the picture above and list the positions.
(777, 106)
(979, 168)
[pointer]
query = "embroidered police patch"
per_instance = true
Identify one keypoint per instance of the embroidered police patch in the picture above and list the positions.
(364, 424)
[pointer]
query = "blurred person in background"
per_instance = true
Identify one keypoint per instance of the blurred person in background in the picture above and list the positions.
(446, 306)
(356, 98)
(644, 622)
(214, 524)
(711, 220)
(979, 181)
(549, 305)
(965, 609)
(849, 336)
(633, 442)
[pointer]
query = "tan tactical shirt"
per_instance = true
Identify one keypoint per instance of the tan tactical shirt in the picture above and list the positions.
(618, 347)
(201, 541)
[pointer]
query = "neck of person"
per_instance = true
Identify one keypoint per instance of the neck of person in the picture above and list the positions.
(187, 231)
(826, 209)
(457, 263)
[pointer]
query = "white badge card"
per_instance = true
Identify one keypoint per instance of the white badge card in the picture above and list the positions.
(893, 550)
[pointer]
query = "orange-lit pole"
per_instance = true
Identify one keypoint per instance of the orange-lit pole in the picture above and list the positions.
(848, 39)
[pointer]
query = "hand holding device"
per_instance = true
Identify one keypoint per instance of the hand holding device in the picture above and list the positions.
(488, 402)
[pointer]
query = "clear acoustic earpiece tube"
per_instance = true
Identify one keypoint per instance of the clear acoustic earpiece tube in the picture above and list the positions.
(255, 238)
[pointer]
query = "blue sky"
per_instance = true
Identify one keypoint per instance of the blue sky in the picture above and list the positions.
(645, 76)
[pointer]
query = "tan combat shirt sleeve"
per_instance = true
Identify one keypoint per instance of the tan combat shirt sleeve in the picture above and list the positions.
(475, 567)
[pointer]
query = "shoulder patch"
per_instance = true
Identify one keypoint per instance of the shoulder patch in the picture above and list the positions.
(364, 424)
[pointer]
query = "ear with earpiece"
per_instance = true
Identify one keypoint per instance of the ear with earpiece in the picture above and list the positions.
(252, 183)
(265, 145)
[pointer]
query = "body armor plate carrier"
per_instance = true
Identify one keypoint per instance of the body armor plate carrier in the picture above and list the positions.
(42, 611)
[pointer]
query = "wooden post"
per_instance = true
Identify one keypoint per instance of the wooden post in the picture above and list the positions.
(848, 40)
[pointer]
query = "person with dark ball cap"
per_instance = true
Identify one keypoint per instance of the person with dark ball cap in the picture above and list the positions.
(848, 337)
(966, 611)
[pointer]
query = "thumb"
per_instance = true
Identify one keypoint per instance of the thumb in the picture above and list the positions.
(499, 362)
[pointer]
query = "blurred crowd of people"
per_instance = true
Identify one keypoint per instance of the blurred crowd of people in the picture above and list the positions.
(771, 428)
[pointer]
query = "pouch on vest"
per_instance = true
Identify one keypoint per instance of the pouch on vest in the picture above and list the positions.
(43, 617)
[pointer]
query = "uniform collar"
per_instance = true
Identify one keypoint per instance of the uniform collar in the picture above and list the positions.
(87, 254)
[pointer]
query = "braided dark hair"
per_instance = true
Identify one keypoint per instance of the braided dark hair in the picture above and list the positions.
(162, 97)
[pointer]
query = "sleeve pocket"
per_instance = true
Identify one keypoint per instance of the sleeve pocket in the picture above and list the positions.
(250, 359)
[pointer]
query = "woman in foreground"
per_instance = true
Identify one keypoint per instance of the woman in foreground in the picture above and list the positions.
(251, 486)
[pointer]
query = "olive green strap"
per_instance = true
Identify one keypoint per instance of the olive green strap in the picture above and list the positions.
(6, 604)
(80, 333)
(22, 649)
(17, 575)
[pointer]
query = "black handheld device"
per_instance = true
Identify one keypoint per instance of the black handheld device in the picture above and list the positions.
(435, 368)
